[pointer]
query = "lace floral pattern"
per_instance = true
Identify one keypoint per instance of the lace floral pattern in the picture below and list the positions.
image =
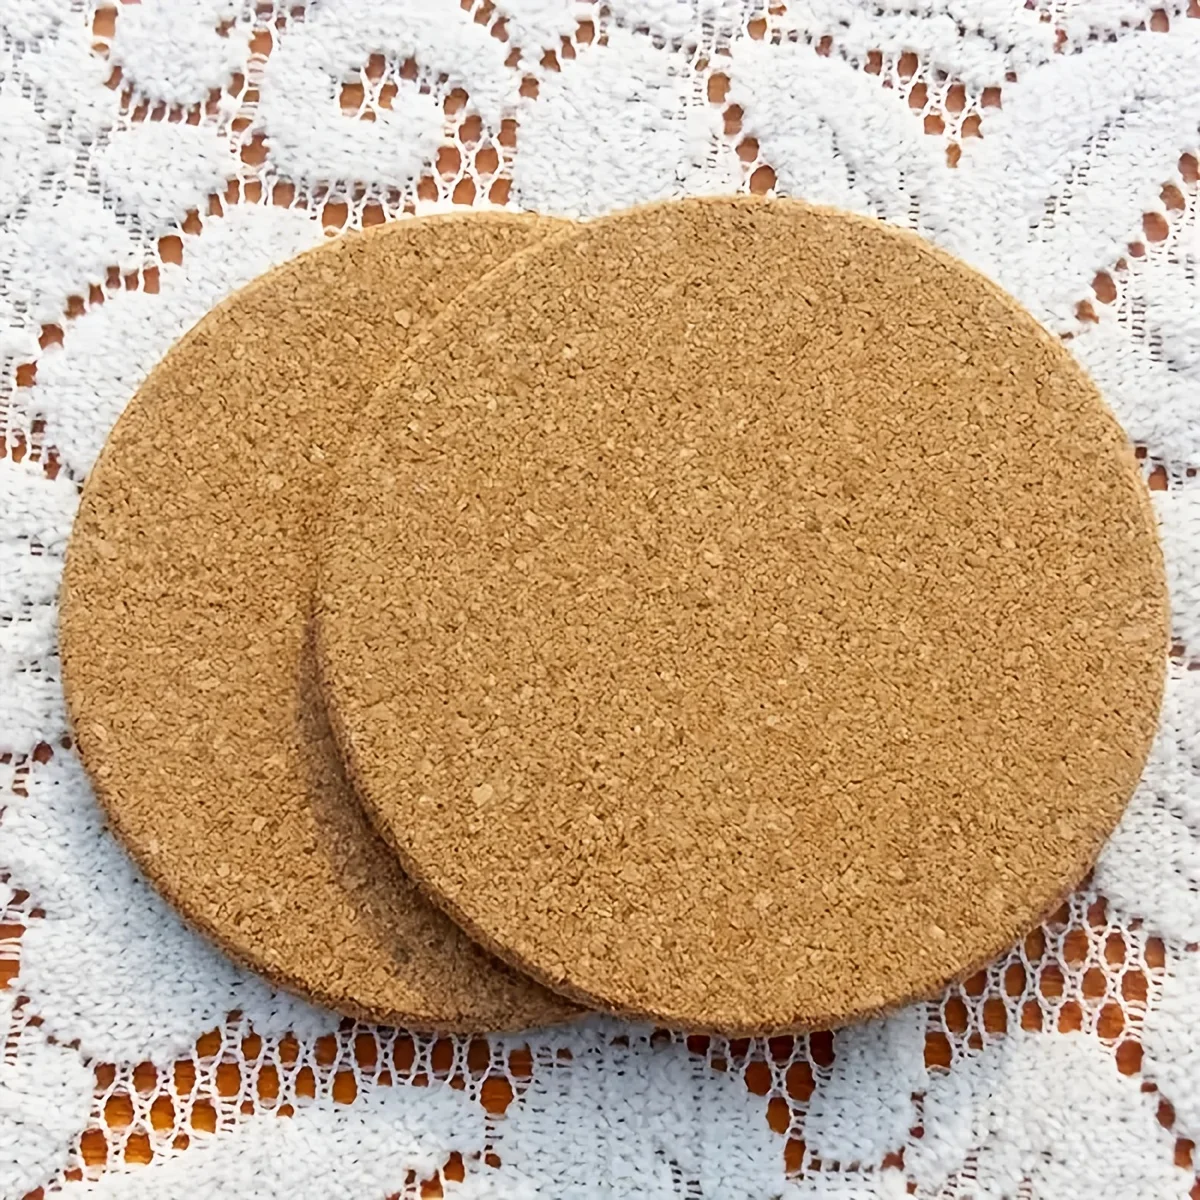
(160, 154)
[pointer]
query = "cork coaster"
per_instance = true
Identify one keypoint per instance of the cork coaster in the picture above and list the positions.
(185, 634)
(754, 623)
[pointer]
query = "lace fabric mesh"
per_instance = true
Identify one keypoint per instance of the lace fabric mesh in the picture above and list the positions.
(1095, 970)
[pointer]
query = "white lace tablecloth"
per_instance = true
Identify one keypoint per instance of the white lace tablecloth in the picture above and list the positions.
(155, 156)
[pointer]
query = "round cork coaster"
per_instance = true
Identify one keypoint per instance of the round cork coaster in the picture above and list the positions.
(186, 644)
(743, 615)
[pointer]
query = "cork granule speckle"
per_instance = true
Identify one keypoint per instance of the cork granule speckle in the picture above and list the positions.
(185, 633)
(742, 614)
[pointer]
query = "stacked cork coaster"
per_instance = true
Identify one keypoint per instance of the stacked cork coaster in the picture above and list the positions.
(186, 638)
(729, 613)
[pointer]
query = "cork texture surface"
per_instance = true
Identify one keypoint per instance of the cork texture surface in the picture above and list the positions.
(186, 642)
(742, 614)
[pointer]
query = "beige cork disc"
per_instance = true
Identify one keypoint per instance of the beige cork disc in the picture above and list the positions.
(743, 615)
(185, 635)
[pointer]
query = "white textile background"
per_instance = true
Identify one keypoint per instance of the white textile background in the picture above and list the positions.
(157, 155)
